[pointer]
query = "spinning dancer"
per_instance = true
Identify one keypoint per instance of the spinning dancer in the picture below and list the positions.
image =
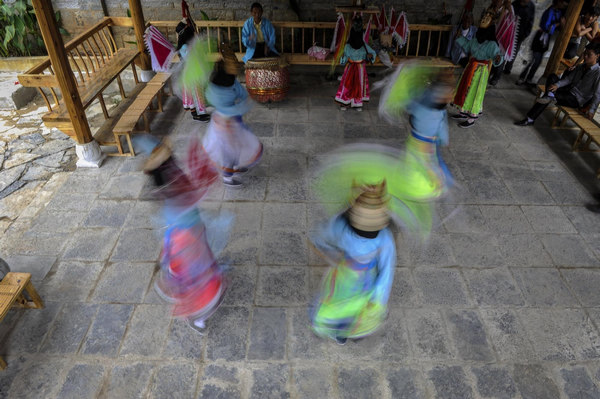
(229, 143)
(352, 301)
(190, 277)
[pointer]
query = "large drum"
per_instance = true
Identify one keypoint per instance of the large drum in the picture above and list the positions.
(267, 79)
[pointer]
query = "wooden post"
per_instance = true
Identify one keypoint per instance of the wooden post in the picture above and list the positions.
(64, 75)
(560, 46)
(139, 27)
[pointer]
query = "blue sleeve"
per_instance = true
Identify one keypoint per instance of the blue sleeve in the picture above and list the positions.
(247, 30)
(546, 21)
(268, 33)
(372, 52)
(451, 41)
(464, 43)
(493, 52)
(344, 58)
(386, 265)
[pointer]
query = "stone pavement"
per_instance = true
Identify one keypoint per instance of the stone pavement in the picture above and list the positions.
(502, 303)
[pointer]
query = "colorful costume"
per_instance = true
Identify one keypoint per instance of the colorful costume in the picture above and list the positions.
(190, 277)
(190, 95)
(191, 98)
(352, 301)
(473, 82)
(354, 87)
(231, 146)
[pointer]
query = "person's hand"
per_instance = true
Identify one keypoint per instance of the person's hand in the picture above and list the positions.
(552, 88)
(589, 115)
(370, 57)
(497, 59)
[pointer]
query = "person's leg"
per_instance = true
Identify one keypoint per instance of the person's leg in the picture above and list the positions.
(509, 64)
(537, 60)
(564, 97)
(523, 74)
(495, 74)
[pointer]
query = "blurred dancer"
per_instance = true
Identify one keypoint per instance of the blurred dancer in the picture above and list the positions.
(229, 143)
(191, 97)
(352, 301)
(429, 126)
(190, 277)
(354, 87)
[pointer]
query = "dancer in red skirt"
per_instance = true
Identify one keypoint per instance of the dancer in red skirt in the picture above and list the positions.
(354, 87)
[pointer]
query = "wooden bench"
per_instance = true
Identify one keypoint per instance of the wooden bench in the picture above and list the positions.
(12, 296)
(293, 39)
(143, 102)
(96, 62)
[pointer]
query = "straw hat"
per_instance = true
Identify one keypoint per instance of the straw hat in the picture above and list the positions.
(230, 61)
(369, 212)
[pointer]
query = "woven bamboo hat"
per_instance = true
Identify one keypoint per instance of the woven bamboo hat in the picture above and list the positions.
(369, 211)
(230, 61)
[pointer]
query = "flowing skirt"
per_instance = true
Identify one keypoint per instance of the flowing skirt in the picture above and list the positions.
(190, 277)
(230, 145)
(471, 88)
(354, 87)
(345, 308)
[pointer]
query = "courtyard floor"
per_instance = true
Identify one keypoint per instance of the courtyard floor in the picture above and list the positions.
(503, 302)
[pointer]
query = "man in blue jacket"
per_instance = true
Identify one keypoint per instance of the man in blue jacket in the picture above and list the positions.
(258, 35)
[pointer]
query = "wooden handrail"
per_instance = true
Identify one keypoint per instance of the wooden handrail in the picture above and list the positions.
(427, 38)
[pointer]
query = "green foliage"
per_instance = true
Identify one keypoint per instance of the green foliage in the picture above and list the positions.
(19, 31)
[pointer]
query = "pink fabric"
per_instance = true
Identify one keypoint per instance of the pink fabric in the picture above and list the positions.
(506, 34)
(191, 100)
(354, 87)
(160, 49)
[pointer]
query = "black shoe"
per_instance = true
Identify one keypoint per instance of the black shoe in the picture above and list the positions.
(493, 82)
(593, 208)
(459, 116)
(340, 341)
(466, 124)
(200, 117)
(524, 122)
(507, 71)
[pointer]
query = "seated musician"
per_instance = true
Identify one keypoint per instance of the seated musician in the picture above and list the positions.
(258, 35)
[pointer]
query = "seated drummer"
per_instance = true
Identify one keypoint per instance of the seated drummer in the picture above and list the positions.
(258, 35)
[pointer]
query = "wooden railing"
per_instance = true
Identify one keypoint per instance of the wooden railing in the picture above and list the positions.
(295, 38)
(88, 53)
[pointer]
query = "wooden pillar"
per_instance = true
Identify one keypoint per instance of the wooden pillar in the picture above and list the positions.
(139, 27)
(64, 75)
(560, 46)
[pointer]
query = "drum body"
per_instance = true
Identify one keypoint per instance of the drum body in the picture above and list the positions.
(267, 79)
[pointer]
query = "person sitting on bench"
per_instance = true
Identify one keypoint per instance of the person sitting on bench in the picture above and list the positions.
(579, 89)
(258, 35)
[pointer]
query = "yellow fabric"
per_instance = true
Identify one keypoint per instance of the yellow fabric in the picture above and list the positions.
(259, 35)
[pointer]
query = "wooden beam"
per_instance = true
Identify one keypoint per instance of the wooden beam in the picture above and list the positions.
(562, 41)
(139, 26)
(64, 75)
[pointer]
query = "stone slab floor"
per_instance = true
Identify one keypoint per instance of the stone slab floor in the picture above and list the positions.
(502, 303)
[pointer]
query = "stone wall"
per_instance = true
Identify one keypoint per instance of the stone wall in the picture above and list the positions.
(79, 14)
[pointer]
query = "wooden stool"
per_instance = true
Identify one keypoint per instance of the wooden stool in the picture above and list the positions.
(12, 296)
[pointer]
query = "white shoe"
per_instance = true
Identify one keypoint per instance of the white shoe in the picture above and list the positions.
(231, 182)
(359, 109)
